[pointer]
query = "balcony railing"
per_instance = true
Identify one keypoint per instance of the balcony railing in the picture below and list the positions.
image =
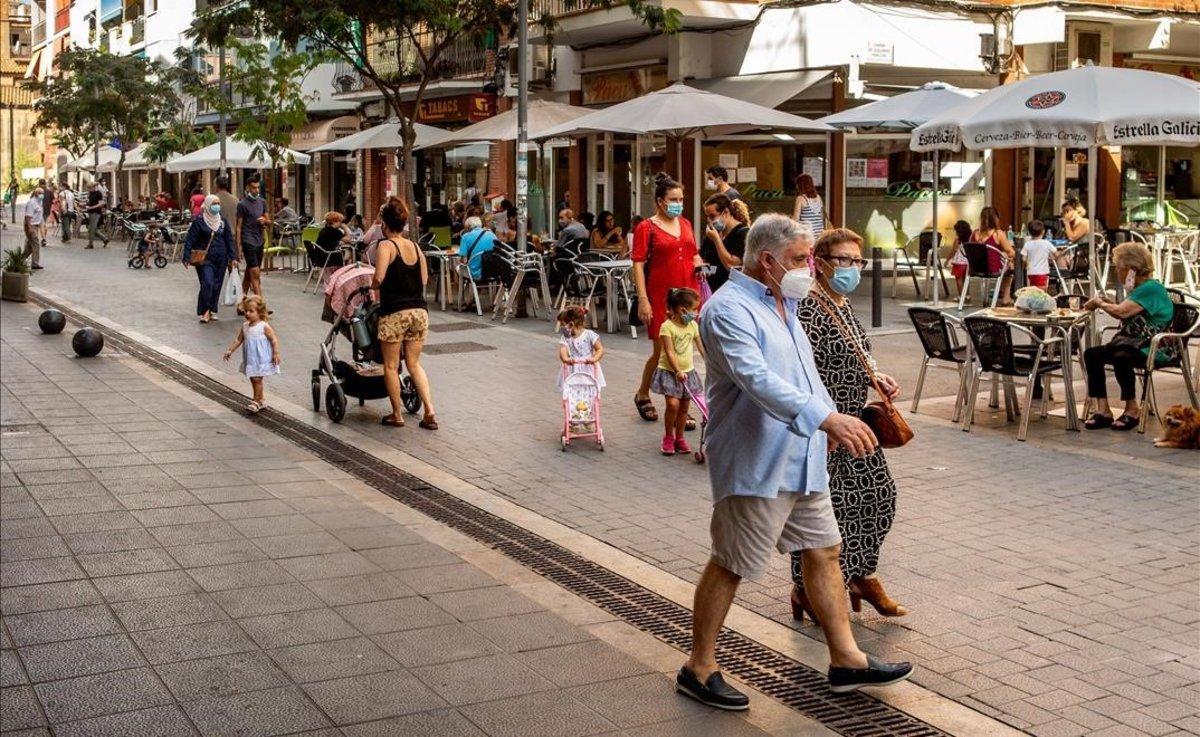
(18, 11)
(401, 61)
(21, 43)
(555, 8)
(137, 31)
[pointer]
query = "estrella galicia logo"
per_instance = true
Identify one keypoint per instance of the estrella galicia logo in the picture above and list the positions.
(1044, 100)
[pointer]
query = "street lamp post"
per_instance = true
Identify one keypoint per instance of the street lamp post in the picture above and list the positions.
(12, 156)
(221, 82)
(522, 120)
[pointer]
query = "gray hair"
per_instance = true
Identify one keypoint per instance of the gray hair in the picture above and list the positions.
(472, 223)
(772, 233)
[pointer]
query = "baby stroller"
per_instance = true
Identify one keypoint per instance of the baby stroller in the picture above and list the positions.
(351, 308)
(701, 405)
(581, 408)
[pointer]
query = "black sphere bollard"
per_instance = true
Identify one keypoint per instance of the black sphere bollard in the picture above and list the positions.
(52, 322)
(87, 342)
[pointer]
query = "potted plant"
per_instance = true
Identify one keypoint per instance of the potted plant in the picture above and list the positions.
(15, 285)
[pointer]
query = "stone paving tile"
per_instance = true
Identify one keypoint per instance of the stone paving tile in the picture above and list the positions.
(169, 611)
(638, 701)
(70, 658)
(275, 599)
(323, 661)
(60, 624)
(374, 696)
(484, 603)
(543, 715)
(439, 723)
(105, 693)
(161, 721)
(19, 709)
(296, 628)
(224, 675)
(359, 589)
(187, 642)
(435, 645)
(274, 712)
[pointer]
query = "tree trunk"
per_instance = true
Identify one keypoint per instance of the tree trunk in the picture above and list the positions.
(117, 179)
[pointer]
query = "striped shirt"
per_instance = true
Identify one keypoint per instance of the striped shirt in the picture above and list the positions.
(813, 213)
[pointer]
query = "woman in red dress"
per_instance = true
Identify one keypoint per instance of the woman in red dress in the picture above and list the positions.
(665, 257)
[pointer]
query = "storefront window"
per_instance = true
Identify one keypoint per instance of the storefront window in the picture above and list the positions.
(1181, 181)
(466, 169)
(889, 190)
(764, 171)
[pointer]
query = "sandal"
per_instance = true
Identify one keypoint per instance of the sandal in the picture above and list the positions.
(429, 423)
(646, 409)
(1098, 421)
(1124, 423)
(254, 408)
(392, 421)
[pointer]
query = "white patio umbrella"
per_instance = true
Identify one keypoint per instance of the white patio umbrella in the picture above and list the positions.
(904, 112)
(134, 160)
(384, 135)
(87, 162)
(238, 155)
(679, 112)
(543, 115)
(1087, 106)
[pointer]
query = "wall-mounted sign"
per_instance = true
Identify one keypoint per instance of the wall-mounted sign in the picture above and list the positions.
(483, 106)
(602, 88)
(878, 52)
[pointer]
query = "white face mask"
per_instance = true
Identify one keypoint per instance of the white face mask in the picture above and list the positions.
(795, 283)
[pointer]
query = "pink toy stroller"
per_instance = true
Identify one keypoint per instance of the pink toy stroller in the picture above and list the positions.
(702, 405)
(581, 407)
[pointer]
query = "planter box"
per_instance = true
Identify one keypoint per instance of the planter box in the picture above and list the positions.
(14, 287)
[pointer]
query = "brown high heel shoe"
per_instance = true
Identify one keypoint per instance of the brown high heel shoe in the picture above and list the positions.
(871, 590)
(801, 605)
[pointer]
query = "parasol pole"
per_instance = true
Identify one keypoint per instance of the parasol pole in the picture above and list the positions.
(1091, 185)
(933, 252)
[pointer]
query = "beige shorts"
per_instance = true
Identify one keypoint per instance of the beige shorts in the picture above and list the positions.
(746, 528)
(404, 325)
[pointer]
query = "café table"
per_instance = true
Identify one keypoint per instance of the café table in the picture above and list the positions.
(447, 258)
(611, 271)
(1073, 325)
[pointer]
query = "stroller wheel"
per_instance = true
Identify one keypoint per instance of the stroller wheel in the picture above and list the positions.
(563, 441)
(699, 456)
(316, 394)
(160, 262)
(409, 397)
(335, 402)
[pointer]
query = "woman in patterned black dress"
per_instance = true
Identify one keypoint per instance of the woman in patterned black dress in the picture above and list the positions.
(861, 489)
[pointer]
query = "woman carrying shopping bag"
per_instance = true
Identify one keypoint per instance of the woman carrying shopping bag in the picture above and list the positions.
(209, 247)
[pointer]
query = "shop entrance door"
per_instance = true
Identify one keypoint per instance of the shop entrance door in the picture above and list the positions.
(622, 177)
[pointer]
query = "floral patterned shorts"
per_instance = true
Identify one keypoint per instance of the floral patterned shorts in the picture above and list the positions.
(404, 325)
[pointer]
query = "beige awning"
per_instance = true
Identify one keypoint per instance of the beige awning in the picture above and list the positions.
(318, 132)
(35, 64)
(770, 89)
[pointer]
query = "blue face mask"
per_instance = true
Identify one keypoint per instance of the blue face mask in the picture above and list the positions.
(687, 317)
(214, 209)
(845, 279)
(674, 209)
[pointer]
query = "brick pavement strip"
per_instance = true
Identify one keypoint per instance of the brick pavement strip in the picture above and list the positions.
(1070, 551)
(129, 606)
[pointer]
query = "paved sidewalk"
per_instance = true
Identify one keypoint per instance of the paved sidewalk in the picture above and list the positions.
(172, 571)
(1053, 584)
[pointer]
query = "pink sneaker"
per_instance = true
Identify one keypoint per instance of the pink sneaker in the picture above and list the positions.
(668, 445)
(681, 445)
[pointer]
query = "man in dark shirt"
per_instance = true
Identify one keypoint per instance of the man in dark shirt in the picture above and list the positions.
(252, 219)
(718, 179)
(95, 210)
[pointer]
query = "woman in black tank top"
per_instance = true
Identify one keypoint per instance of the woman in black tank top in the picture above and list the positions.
(400, 276)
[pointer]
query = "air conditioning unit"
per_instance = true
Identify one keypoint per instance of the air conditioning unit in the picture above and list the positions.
(541, 66)
(1085, 42)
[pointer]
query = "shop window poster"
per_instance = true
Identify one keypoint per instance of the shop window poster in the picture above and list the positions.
(815, 168)
(727, 161)
(856, 172)
(877, 173)
(747, 173)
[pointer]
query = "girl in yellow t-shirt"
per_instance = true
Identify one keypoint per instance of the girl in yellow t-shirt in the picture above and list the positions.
(676, 377)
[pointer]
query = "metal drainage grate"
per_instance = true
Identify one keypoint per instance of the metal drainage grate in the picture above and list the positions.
(454, 327)
(466, 346)
(796, 685)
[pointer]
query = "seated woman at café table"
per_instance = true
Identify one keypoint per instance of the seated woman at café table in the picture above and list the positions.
(1147, 310)
(989, 233)
(335, 233)
(1075, 221)
(606, 236)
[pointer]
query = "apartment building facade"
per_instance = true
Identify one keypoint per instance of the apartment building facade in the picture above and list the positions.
(18, 145)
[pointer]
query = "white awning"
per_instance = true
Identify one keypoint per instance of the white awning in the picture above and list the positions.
(771, 89)
(318, 132)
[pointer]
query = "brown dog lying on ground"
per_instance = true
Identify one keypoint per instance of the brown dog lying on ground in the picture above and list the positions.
(1182, 428)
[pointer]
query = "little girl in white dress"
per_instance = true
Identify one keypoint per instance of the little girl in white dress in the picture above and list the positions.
(260, 348)
(579, 350)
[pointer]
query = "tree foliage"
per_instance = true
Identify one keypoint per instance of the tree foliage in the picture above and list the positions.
(100, 97)
(427, 28)
(180, 135)
(264, 95)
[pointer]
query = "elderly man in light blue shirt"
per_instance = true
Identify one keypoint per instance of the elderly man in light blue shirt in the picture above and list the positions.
(772, 424)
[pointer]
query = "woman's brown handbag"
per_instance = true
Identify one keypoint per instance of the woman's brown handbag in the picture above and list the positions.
(889, 426)
(198, 256)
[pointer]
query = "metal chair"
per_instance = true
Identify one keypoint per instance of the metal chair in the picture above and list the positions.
(1078, 278)
(1182, 250)
(936, 331)
(490, 278)
(996, 353)
(979, 267)
(320, 259)
(904, 259)
(522, 271)
(1185, 324)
